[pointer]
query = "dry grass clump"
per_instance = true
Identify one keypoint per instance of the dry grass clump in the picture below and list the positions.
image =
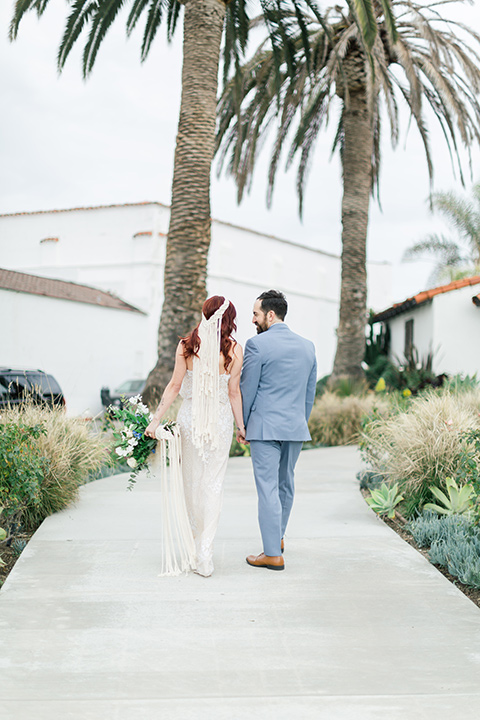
(337, 420)
(72, 450)
(422, 446)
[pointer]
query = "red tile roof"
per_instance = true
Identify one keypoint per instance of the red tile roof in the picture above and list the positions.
(36, 285)
(424, 297)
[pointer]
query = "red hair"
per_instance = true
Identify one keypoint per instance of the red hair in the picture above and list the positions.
(191, 343)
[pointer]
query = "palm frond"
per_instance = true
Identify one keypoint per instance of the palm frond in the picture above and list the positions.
(20, 8)
(389, 19)
(461, 215)
(101, 20)
(363, 12)
(154, 19)
(81, 14)
(446, 250)
(423, 59)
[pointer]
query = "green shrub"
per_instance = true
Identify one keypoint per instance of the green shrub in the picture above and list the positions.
(423, 445)
(454, 543)
(22, 467)
(411, 373)
(429, 528)
(338, 420)
(321, 385)
(461, 383)
(60, 453)
(369, 480)
(3, 535)
(460, 557)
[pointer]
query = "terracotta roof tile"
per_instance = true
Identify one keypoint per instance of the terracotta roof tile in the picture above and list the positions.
(424, 297)
(61, 289)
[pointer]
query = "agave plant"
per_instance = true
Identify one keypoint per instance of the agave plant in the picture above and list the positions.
(384, 500)
(459, 500)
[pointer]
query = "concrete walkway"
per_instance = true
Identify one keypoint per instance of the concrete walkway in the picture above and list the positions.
(358, 627)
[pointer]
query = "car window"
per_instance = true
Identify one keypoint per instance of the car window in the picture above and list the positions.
(17, 385)
(44, 384)
(130, 386)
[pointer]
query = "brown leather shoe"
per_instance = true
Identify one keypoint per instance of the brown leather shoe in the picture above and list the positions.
(282, 545)
(265, 561)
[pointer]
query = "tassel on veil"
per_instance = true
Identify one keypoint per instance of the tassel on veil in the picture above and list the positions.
(178, 546)
(206, 381)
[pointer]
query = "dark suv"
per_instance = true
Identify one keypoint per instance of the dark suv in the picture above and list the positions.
(19, 386)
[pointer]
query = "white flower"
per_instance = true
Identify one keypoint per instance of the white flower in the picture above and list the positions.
(133, 441)
(128, 433)
(123, 452)
(131, 462)
(142, 408)
(135, 400)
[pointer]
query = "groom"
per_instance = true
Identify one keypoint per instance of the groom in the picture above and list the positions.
(278, 389)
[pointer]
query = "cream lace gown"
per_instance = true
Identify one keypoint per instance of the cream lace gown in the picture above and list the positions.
(203, 477)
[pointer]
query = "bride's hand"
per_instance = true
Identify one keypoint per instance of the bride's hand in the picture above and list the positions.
(150, 429)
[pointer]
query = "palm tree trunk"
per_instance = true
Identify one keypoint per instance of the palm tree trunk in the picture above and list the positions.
(190, 222)
(357, 169)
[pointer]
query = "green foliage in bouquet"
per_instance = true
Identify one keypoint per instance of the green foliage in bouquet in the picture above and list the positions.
(131, 443)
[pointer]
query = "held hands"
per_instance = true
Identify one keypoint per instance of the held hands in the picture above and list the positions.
(240, 436)
(151, 428)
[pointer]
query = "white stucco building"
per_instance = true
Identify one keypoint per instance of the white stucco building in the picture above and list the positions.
(59, 327)
(120, 249)
(444, 320)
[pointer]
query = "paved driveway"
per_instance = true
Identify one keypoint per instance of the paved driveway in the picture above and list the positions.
(359, 626)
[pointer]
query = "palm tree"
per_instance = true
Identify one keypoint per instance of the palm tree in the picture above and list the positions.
(205, 22)
(455, 258)
(430, 62)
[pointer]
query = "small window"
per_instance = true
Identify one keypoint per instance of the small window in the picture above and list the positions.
(408, 337)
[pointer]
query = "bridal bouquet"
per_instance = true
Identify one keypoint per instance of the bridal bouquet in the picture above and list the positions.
(131, 443)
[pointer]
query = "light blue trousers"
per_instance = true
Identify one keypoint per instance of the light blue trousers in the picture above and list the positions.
(273, 466)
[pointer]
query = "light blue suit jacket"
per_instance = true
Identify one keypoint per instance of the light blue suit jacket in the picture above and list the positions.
(278, 385)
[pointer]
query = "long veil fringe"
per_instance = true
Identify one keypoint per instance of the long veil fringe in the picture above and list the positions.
(178, 546)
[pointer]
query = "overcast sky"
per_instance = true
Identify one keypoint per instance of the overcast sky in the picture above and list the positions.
(65, 143)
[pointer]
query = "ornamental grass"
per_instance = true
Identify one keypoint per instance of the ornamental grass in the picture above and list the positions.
(71, 449)
(423, 445)
(338, 420)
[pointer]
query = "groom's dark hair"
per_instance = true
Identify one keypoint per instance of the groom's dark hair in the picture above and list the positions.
(274, 300)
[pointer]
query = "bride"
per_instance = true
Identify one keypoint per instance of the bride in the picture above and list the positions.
(207, 369)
